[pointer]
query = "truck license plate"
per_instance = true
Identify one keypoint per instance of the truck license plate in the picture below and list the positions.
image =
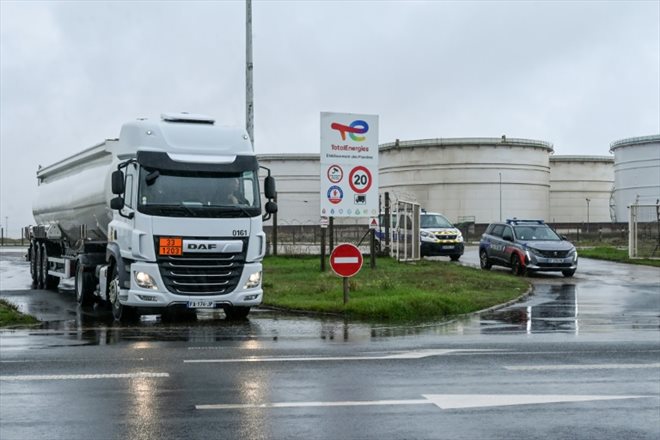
(200, 304)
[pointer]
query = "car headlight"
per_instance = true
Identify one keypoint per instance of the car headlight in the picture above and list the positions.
(426, 234)
(144, 280)
(459, 238)
(253, 280)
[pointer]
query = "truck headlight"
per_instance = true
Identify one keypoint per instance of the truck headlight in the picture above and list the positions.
(144, 280)
(253, 280)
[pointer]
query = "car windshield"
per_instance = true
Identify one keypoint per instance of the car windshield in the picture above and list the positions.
(536, 233)
(428, 221)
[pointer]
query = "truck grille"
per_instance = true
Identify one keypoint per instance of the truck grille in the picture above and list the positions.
(202, 273)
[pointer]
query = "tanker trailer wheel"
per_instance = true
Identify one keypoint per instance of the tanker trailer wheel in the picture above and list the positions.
(119, 311)
(48, 282)
(84, 284)
(34, 263)
(40, 265)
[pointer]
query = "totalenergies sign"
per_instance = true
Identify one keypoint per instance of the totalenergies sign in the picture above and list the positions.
(349, 165)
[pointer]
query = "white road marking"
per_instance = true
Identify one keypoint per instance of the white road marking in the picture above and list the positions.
(419, 354)
(456, 401)
(442, 401)
(581, 367)
(139, 375)
(314, 404)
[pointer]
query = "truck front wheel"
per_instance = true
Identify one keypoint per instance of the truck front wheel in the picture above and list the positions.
(119, 311)
(85, 285)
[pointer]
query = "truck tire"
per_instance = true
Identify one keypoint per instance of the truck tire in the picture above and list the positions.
(84, 285)
(49, 282)
(236, 313)
(34, 263)
(120, 312)
(41, 277)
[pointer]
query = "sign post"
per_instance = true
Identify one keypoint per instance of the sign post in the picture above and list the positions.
(346, 261)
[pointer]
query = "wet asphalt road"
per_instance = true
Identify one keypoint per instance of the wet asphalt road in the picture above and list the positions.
(580, 358)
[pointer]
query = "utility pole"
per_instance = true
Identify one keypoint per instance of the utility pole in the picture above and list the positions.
(588, 200)
(500, 196)
(249, 90)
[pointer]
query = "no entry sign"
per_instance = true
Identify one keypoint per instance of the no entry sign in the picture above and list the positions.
(346, 260)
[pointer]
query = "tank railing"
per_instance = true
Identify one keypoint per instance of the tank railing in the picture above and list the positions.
(635, 140)
(467, 141)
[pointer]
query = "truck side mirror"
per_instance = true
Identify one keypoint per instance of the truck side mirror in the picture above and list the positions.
(118, 186)
(269, 187)
(271, 207)
(118, 202)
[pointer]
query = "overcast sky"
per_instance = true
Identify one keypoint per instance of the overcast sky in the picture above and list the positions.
(577, 74)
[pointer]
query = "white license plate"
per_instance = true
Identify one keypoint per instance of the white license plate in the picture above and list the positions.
(556, 260)
(447, 247)
(200, 304)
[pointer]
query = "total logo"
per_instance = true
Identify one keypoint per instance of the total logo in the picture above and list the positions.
(355, 128)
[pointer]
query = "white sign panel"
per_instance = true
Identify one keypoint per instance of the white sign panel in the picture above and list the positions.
(349, 165)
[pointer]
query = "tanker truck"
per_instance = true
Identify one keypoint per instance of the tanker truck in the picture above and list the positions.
(168, 217)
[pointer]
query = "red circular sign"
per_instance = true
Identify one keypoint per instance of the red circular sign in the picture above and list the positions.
(360, 179)
(346, 260)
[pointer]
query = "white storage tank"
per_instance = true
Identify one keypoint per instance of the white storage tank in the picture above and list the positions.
(298, 185)
(483, 179)
(636, 173)
(580, 188)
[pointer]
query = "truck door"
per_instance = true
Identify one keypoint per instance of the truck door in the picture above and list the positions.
(124, 227)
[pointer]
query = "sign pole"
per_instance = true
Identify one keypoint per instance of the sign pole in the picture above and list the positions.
(323, 249)
(345, 290)
(372, 248)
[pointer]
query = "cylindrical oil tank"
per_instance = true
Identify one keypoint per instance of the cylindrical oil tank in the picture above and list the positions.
(298, 185)
(580, 188)
(636, 174)
(478, 179)
(76, 192)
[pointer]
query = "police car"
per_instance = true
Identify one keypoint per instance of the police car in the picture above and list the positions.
(526, 246)
(437, 236)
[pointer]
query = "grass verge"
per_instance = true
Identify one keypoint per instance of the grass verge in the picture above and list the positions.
(396, 292)
(614, 254)
(10, 316)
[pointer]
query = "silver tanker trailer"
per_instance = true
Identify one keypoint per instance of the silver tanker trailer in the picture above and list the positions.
(167, 217)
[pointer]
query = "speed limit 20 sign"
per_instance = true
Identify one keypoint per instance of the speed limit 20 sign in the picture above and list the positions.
(360, 179)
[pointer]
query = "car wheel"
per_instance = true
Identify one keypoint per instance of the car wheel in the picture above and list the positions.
(484, 262)
(568, 273)
(119, 311)
(517, 267)
(454, 257)
(235, 313)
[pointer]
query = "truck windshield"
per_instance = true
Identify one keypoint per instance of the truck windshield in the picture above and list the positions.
(428, 221)
(194, 194)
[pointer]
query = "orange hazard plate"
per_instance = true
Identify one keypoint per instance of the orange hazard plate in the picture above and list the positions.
(170, 246)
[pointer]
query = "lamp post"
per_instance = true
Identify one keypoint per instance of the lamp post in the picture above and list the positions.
(500, 196)
(588, 200)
